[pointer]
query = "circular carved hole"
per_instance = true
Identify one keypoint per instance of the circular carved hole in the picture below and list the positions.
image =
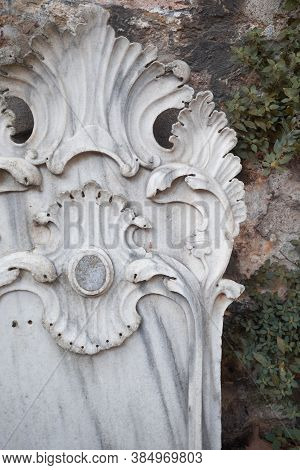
(162, 127)
(24, 121)
(107, 340)
(14, 324)
(120, 334)
(29, 322)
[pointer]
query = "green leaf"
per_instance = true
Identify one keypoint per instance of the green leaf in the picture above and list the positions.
(240, 126)
(250, 124)
(260, 358)
(261, 124)
(275, 380)
(290, 5)
(293, 433)
(292, 93)
(279, 144)
(281, 345)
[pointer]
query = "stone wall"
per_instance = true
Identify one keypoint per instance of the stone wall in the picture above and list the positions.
(201, 32)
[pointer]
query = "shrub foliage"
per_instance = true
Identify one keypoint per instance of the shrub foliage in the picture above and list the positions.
(265, 110)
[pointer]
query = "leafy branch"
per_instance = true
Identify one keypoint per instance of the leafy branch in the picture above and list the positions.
(266, 109)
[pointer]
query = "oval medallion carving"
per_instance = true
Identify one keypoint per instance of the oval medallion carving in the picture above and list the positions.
(91, 272)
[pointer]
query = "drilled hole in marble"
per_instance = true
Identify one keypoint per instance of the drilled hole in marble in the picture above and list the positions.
(29, 322)
(107, 341)
(120, 334)
(24, 121)
(14, 323)
(59, 335)
(162, 128)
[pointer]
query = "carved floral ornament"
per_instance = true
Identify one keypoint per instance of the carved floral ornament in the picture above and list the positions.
(91, 92)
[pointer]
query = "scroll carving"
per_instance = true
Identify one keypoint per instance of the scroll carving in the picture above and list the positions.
(104, 102)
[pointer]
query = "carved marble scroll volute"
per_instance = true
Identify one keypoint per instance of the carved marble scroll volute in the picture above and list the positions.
(94, 94)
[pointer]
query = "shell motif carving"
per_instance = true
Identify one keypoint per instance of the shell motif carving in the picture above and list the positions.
(94, 94)
(91, 278)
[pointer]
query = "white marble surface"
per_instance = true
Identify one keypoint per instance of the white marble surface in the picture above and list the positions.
(127, 356)
(133, 396)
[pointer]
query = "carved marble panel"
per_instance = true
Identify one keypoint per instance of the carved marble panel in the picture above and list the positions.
(113, 248)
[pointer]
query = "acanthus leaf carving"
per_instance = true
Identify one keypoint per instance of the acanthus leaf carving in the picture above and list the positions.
(207, 168)
(115, 117)
(201, 142)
